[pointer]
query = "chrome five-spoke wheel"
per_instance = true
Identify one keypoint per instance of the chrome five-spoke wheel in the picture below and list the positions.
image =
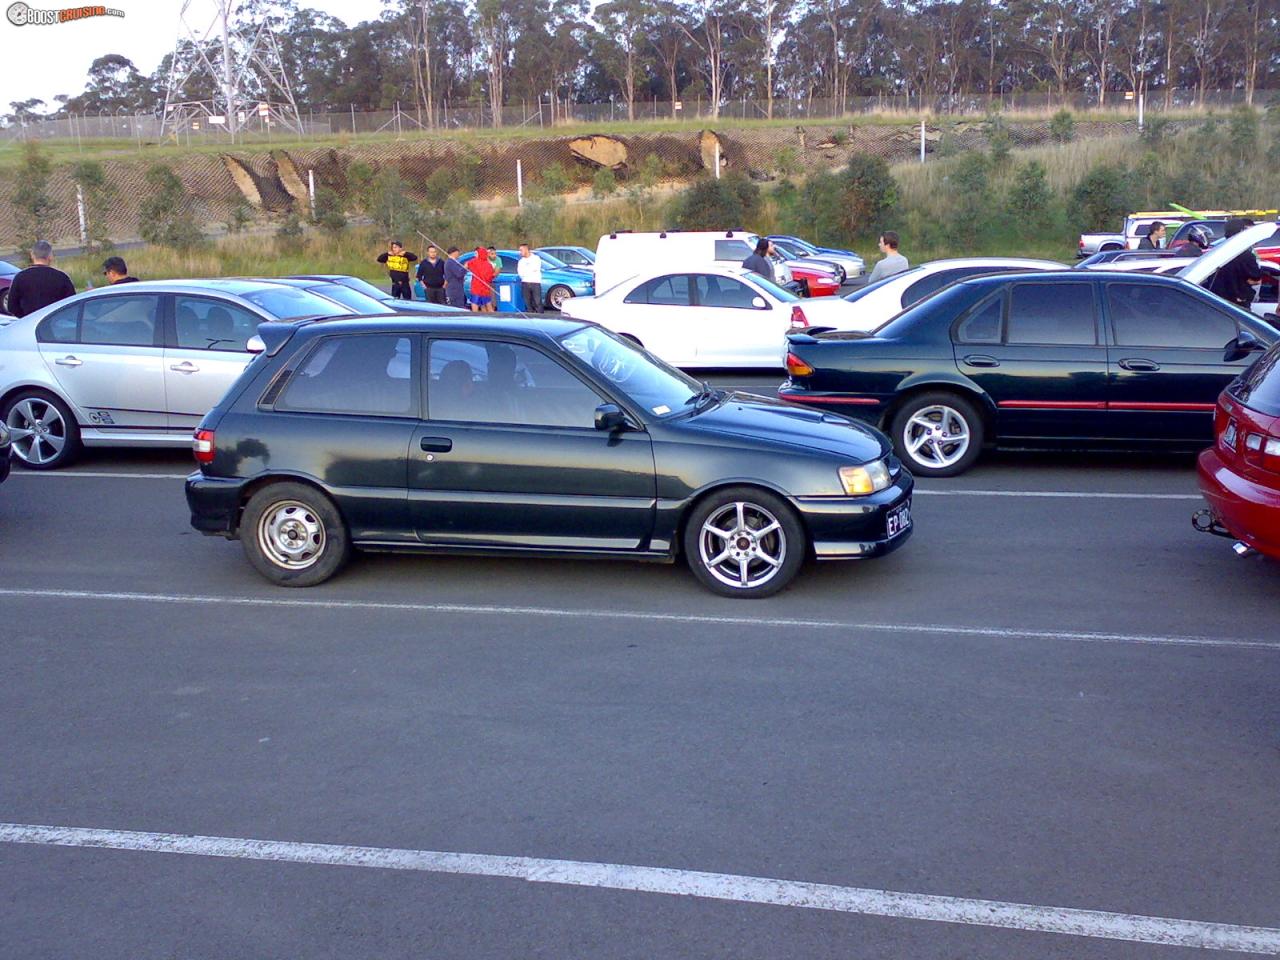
(936, 436)
(742, 545)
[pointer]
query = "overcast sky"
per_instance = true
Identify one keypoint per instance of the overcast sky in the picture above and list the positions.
(44, 61)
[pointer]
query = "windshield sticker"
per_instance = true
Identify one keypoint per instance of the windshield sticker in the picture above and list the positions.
(661, 409)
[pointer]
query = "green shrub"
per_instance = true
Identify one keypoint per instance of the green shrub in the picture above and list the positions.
(1103, 197)
(1063, 127)
(711, 204)
(787, 162)
(604, 183)
(1154, 130)
(554, 179)
(999, 140)
(329, 215)
(536, 221)
(289, 233)
(33, 208)
(867, 196)
(239, 216)
(1243, 132)
(839, 137)
(164, 215)
(1030, 202)
(970, 185)
(438, 187)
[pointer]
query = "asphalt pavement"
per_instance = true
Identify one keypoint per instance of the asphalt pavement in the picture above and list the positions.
(1047, 727)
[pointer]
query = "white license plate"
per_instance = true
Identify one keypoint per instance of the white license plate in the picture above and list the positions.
(899, 520)
(1229, 436)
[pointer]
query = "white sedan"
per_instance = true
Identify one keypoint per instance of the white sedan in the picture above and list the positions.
(879, 302)
(708, 316)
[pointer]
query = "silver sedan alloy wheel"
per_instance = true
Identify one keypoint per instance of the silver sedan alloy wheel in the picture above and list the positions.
(291, 535)
(936, 436)
(742, 545)
(39, 433)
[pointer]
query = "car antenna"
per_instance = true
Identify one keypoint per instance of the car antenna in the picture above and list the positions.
(438, 247)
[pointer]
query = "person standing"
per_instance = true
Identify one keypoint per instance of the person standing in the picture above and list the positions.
(1154, 239)
(117, 271)
(893, 262)
(758, 262)
(397, 260)
(482, 273)
(455, 278)
(529, 267)
(431, 275)
(40, 284)
(1236, 279)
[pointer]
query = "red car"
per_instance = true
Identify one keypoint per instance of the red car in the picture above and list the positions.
(1240, 473)
(7, 272)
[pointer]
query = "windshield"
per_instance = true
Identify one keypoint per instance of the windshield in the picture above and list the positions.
(771, 288)
(662, 390)
(549, 260)
(859, 294)
(807, 248)
(7, 269)
(349, 297)
(290, 303)
(363, 286)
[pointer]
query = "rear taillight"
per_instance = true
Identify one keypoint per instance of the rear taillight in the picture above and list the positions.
(202, 446)
(1081, 243)
(1262, 450)
(798, 320)
(797, 367)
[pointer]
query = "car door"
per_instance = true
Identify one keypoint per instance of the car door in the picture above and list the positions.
(106, 354)
(508, 455)
(1034, 349)
(1166, 365)
(205, 352)
(736, 325)
(660, 314)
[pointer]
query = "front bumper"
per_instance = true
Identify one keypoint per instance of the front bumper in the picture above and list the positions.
(1249, 510)
(215, 504)
(854, 528)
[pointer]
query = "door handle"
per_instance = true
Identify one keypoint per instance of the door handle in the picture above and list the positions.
(981, 360)
(436, 444)
(186, 366)
(69, 362)
(1139, 364)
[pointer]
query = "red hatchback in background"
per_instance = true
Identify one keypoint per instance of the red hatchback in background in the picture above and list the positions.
(1240, 473)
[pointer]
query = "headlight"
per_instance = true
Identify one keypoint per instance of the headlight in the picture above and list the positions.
(859, 481)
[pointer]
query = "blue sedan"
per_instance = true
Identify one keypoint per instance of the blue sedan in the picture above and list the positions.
(560, 282)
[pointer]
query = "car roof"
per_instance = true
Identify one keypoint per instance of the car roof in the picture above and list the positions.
(1066, 274)
(443, 322)
(232, 285)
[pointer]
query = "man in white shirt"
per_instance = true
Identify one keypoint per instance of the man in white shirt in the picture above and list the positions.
(530, 269)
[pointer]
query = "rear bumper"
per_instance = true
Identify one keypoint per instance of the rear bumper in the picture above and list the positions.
(854, 528)
(215, 504)
(1249, 510)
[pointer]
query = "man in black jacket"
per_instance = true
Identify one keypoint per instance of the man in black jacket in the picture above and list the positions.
(117, 271)
(431, 275)
(40, 284)
(1237, 279)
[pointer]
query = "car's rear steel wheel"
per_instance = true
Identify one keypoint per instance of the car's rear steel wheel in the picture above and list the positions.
(743, 542)
(293, 534)
(44, 433)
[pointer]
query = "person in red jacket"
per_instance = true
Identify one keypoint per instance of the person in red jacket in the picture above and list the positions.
(482, 273)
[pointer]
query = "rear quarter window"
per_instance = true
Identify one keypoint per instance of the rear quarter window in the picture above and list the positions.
(1259, 387)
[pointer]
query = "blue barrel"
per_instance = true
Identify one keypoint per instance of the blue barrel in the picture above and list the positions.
(510, 296)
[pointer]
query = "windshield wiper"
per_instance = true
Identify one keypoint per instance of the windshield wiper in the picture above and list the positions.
(706, 394)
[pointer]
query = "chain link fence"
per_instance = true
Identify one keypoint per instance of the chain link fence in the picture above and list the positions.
(263, 182)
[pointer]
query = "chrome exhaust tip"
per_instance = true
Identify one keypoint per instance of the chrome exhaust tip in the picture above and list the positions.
(1242, 549)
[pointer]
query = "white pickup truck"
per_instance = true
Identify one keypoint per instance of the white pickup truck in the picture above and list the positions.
(1136, 226)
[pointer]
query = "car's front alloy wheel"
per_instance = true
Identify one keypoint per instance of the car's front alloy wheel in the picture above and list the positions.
(558, 296)
(938, 434)
(743, 542)
(293, 535)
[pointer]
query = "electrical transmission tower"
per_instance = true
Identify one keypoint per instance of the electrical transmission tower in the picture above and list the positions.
(238, 60)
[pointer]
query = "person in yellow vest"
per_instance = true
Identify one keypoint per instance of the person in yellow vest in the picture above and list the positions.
(397, 260)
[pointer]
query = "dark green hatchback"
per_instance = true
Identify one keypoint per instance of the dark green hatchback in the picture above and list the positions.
(547, 437)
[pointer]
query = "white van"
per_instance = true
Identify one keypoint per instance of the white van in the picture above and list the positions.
(624, 254)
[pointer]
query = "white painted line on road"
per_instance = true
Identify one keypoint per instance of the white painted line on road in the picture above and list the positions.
(1010, 633)
(736, 888)
(97, 475)
(1056, 494)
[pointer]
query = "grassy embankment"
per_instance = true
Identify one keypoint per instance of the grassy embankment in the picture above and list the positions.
(962, 205)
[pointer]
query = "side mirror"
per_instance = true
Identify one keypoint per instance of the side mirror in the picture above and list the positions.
(255, 344)
(759, 303)
(609, 416)
(1243, 345)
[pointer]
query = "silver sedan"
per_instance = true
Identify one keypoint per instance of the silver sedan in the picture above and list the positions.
(133, 365)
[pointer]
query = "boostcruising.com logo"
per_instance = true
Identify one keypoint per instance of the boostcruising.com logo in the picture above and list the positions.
(21, 15)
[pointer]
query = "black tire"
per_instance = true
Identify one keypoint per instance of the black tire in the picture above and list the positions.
(788, 544)
(4, 301)
(557, 296)
(943, 458)
(34, 453)
(279, 523)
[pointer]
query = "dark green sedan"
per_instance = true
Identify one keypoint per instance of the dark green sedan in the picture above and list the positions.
(524, 437)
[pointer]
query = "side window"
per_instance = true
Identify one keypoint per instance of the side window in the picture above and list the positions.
(60, 327)
(672, 291)
(735, 250)
(927, 286)
(120, 321)
(983, 324)
(723, 292)
(509, 264)
(367, 374)
(1143, 315)
(478, 381)
(1052, 313)
(204, 324)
